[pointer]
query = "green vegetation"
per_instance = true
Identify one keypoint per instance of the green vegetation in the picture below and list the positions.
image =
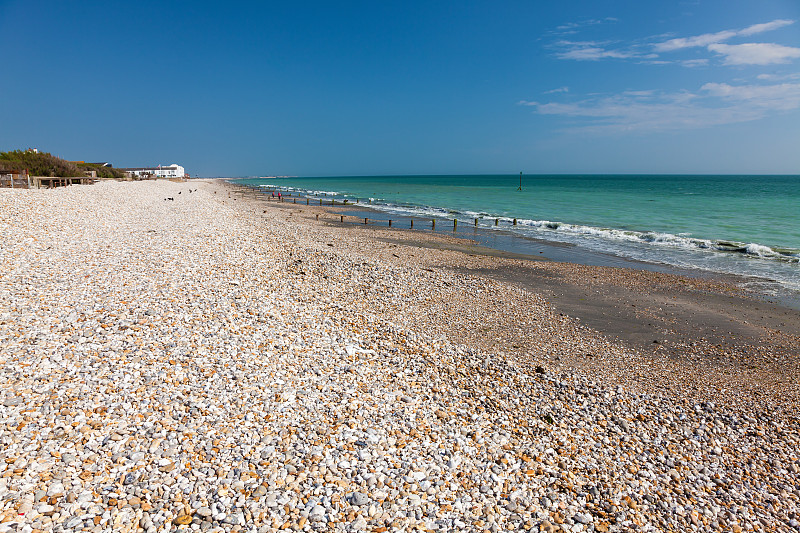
(38, 164)
(45, 164)
(102, 172)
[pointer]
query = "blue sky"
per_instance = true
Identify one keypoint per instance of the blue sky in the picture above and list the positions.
(340, 88)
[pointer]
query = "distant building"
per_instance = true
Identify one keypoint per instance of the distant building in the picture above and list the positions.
(161, 171)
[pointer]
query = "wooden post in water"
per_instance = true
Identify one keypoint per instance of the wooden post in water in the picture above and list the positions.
(320, 201)
(433, 223)
(341, 218)
(496, 221)
(476, 222)
(306, 200)
(295, 200)
(412, 223)
(390, 223)
(520, 181)
(515, 221)
(455, 224)
(365, 221)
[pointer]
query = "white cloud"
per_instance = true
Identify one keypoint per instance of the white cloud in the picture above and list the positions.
(694, 62)
(712, 105)
(593, 54)
(778, 77)
(713, 38)
(570, 27)
(689, 42)
(767, 26)
(589, 51)
(781, 97)
(755, 53)
(559, 90)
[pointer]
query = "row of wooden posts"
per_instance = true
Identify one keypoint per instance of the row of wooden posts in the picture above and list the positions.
(433, 221)
(366, 219)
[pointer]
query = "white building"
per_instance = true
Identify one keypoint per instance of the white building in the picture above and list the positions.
(161, 171)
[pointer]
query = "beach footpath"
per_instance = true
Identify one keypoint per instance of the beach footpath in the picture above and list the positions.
(174, 356)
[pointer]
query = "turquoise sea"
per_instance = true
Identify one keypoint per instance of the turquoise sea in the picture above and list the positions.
(745, 225)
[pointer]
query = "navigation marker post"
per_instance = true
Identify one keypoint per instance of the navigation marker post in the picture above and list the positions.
(520, 181)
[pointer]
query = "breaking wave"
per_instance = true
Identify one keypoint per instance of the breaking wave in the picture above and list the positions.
(550, 230)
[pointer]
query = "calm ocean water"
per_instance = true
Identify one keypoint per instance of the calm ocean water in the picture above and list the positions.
(746, 225)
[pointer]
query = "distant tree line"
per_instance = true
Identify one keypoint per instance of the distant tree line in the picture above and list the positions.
(46, 164)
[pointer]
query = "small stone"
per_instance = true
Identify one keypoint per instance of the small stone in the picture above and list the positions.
(73, 522)
(182, 520)
(359, 498)
(69, 458)
(359, 524)
(547, 527)
(582, 518)
(56, 489)
(13, 401)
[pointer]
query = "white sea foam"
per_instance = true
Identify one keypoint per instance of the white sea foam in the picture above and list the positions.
(760, 251)
(549, 229)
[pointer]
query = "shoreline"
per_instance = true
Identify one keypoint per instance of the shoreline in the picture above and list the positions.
(755, 274)
(205, 360)
(511, 244)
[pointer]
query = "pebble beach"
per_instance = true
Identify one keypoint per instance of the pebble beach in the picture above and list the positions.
(212, 363)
